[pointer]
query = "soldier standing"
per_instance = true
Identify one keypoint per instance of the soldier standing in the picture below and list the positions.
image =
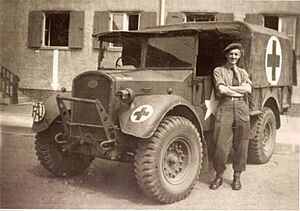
(232, 122)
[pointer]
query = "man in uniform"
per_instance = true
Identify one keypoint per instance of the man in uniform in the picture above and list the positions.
(232, 122)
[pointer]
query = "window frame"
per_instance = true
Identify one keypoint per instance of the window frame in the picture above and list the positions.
(37, 30)
(125, 24)
(271, 16)
(186, 15)
(43, 46)
(280, 24)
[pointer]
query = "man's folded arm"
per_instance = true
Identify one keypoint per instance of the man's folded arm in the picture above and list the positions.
(244, 88)
(227, 91)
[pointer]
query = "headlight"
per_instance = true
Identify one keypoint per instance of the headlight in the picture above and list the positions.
(63, 89)
(38, 111)
(126, 95)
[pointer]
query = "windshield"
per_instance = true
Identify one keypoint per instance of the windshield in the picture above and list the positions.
(159, 51)
(170, 52)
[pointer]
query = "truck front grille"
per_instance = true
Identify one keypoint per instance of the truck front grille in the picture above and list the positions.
(90, 86)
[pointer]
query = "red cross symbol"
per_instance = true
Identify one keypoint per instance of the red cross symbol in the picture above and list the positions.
(141, 113)
(273, 60)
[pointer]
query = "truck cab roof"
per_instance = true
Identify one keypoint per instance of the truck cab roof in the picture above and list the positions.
(234, 28)
(267, 52)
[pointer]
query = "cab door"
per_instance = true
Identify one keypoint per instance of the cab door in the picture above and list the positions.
(205, 102)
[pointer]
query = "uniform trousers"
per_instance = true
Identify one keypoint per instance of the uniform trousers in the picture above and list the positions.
(232, 127)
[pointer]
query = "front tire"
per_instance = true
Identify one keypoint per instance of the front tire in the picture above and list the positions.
(261, 147)
(51, 156)
(168, 164)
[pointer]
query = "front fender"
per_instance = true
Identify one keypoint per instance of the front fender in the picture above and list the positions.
(51, 112)
(142, 117)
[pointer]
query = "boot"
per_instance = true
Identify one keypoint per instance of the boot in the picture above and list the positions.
(218, 181)
(236, 183)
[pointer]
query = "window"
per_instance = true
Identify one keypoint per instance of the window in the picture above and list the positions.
(199, 17)
(107, 21)
(271, 22)
(117, 22)
(56, 30)
(179, 17)
(123, 22)
(286, 24)
(133, 22)
(170, 52)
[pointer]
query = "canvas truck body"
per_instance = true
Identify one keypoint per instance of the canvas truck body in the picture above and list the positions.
(155, 105)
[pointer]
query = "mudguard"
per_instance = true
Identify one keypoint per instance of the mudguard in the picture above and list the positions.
(51, 112)
(271, 101)
(142, 117)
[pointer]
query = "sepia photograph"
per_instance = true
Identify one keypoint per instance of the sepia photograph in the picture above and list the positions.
(149, 105)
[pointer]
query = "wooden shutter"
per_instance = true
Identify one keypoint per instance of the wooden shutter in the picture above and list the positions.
(288, 26)
(147, 19)
(257, 19)
(294, 68)
(101, 24)
(76, 29)
(298, 35)
(35, 29)
(224, 17)
(174, 17)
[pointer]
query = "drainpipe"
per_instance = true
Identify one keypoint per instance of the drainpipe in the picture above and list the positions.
(161, 12)
(55, 83)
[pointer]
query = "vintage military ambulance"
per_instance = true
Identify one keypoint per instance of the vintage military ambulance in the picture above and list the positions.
(154, 107)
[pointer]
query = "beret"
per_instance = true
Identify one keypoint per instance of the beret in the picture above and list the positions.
(233, 46)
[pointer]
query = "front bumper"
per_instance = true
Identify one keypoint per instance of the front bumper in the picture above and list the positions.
(107, 125)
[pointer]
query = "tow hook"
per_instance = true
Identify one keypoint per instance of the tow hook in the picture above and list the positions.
(59, 138)
(106, 145)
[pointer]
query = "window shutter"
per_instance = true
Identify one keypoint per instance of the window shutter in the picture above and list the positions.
(257, 19)
(147, 19)
(174, 17)
(76, 29)
(101, 24)
(35, 29)
(298, 36)
(224, 17)
(288, 26)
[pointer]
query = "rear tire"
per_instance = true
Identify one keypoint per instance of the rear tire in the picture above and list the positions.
(51, 156)
(261, 147)
(168, 164)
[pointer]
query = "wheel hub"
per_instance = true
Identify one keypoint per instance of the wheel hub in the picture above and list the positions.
(174, 160)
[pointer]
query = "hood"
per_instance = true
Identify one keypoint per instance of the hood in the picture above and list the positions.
(153, 81)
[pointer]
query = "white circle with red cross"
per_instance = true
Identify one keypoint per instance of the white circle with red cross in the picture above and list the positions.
(141, 113)
(273, 60)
